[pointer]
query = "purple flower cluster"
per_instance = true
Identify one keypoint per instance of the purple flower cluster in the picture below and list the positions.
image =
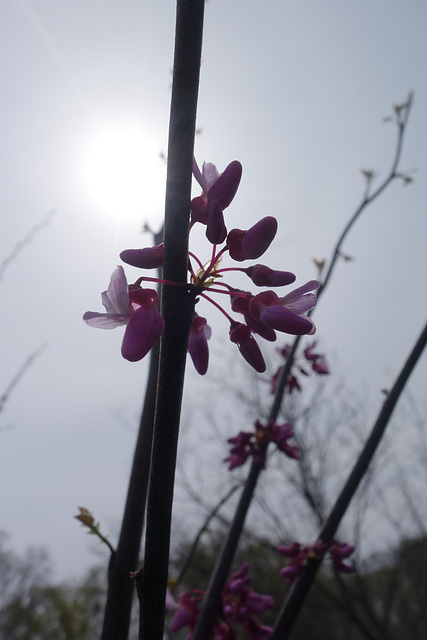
(253, 443)
(301, 554)
(131, 306)
(239, 604)
(316, 361)
(263, 313)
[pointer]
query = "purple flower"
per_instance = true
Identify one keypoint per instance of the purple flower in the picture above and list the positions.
(131, 306)
(188, 610)
(252, 443)
(239, 604)
(239, 600)
(317, 362)
(248, 347)
(217, 187)
(242, 305)
(339, 551)
(263, 314)
(216, 231)
(243, 447)
(251, 244)
(301, 554)
(148, 258)
(198, 344)
(263, 276)
(287, 314)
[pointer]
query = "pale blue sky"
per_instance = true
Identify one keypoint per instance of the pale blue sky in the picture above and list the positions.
(297, 92)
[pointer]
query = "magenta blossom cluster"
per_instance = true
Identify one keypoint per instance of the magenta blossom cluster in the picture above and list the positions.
(316, 361)
(254, 443)
(337, 551)
(239, 604)
(263, 313)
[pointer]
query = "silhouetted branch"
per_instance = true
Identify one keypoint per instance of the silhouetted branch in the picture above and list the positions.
(302, 585)
(19, 374)
(25, 240)
(222, 567)
(177, 311)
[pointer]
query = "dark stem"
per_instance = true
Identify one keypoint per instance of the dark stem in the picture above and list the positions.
(301, 587)
(177, 310)
(125, 558)
(213, 596)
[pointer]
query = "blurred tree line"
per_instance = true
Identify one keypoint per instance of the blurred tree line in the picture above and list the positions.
(386, 602)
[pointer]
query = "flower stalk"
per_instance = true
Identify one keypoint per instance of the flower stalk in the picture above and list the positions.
(177, 311)
(225, 559)
(298, 593)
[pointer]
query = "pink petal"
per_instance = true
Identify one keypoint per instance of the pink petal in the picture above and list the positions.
(198, 344)
(225, 186)
(251, 244)
(144, 329)
(300, 300)
(104, 320)
(281, 319)
(248, 347)
(147, 258)
(263, 276)
(116, 298)
(216, 231)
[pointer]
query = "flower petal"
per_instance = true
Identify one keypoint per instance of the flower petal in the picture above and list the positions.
(104, 320)
(144, 329)
(116, 298)
(281, 319)
(259, 237)
(263, 276)
(248, 347)
(147, 258)
(251, 244)
(216, 231)
(300, 300)
(207, 176)
(225, 186)
(198, 344)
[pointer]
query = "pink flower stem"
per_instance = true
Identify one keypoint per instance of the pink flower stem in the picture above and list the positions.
(203, 295)
(159, 280)
(190, 253)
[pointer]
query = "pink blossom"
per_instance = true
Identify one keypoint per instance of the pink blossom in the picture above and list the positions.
(301, 554)
(147, 258)
(287, 314)
(131, 306)
(263, 276)
(198, 344)
(263, 314)
(248, 347)
(253, 243)
(219, 187)
(240, 604)
(252, 443)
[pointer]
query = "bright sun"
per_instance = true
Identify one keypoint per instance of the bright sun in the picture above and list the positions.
(125, 173)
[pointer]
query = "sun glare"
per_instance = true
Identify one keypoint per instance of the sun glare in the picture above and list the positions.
(124, 173)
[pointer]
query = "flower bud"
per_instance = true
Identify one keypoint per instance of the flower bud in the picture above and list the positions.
(263, 276)
(148, 258)
(216, 231)
(251, 244)
(241, 335)
(225, 187)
